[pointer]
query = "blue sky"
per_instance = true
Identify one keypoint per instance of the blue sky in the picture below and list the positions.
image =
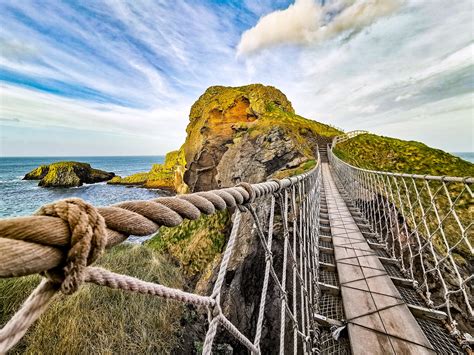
(118, 77)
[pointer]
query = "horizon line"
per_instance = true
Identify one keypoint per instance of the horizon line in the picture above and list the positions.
(116, 156)
(80, 156)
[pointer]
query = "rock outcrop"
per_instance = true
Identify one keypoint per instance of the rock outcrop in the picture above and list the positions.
(247, 133)
(167, 176)
(67, 174)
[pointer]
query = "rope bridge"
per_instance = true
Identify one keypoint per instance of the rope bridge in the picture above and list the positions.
(407, 214)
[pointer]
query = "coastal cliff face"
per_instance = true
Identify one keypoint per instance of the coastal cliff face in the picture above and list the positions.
(247, 133)
(67, 174)
(253, 129)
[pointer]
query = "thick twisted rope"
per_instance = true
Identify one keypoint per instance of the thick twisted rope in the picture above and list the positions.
(87, 239)
(35, 244)
(32, 309)
(86, 243)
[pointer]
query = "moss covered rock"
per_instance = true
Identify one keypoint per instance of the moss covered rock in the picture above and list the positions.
(168, 176)
(135, 179)
(67, 174)
(253, 129)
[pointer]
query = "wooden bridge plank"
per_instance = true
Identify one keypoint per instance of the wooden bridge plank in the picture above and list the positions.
(379, 321)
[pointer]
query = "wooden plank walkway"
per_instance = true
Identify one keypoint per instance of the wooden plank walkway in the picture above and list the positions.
(379, 321)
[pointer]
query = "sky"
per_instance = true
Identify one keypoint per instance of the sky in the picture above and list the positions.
(110, 77)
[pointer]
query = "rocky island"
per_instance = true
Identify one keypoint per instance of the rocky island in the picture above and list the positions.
(67, 174)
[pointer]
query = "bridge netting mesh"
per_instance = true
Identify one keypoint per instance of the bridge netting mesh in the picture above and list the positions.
(64, 238)
(425, 222)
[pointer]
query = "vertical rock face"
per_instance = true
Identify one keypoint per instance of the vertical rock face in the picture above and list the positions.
(245, 133)
(249, 134)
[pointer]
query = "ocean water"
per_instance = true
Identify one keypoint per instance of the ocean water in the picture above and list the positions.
(19, 197)
(469, 156)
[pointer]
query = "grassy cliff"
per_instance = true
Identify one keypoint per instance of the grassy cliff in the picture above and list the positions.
(373, 152)
(162, 176)
(225, 115)
(379, 153)
(235, 111)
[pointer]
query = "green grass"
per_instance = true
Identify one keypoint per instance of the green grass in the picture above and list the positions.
(98, 320)
(135, 179)
(194, 244)
(160, 176)
(379, 153)
(373, 152)
(304, 167)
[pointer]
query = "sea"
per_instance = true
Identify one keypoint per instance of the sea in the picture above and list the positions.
(469, 156)
(20, 197)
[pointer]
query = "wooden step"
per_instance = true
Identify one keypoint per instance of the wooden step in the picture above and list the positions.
(327, 266)
(334, 290)
(426, 313)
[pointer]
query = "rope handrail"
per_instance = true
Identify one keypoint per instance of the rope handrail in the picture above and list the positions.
(63, 238)
(346, 136)
(423, 221)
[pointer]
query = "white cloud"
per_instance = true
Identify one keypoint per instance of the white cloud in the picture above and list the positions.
(403, 97)
(363, 109)
(34, 109)
(296, 24)
(305, 22)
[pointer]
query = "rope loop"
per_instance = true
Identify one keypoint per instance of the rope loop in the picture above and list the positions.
(88, 238)
(250, 190)
(280, 185)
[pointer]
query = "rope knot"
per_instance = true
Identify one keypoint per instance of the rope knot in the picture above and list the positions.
(88, 238)
(216, 310)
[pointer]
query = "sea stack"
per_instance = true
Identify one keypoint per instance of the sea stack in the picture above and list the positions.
(67, 174)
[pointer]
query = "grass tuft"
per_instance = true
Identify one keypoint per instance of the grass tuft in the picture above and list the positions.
(194, 244)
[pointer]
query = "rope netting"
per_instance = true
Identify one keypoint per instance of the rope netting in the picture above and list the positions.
(426, 222)
(64, 238)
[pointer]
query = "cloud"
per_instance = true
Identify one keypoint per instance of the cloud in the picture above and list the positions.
(403, 97)
(307, 22)
(34, 109)
(363, 109)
